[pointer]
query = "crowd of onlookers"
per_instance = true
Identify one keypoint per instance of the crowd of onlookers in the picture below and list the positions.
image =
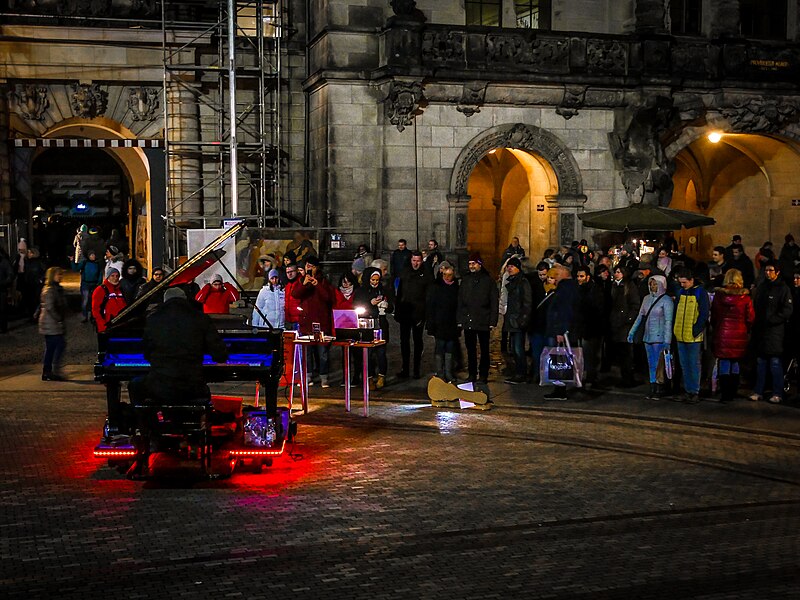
(655, 314)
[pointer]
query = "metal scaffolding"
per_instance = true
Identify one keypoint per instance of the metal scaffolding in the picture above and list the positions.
(222, 114)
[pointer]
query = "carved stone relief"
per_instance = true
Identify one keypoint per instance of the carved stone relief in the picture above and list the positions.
(403, 102)
(606, 56)
(547, 55)
(87, 8)
(88, 100)
(443, 47)
(472, 96)
(143, 103)
(574, 98)
(567, 229)
(757, 115)
(31, 101)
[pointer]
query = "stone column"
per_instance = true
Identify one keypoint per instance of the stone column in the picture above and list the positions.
(457, 230)
(185, 197)
(565, 225)
(5, 163)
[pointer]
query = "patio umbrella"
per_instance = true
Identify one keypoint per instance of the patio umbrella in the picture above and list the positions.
(643, 217)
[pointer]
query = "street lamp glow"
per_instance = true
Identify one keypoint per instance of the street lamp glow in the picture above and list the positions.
(714, 137)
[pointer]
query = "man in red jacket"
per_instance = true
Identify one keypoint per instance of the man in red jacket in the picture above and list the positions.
(316, 296)
(107, 300)
(216, 297)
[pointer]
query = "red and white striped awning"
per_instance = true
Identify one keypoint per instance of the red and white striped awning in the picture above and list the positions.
(85, 143)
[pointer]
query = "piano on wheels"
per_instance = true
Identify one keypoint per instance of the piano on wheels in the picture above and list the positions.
(220, 436)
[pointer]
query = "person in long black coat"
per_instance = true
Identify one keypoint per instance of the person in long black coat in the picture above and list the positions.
(442, 320)
(625, 305)
(478, 300)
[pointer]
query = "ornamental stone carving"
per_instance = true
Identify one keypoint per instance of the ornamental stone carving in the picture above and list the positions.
(695, 59)
(574, 98)
(32, 102)
(87, 8)
(88, 100)
(606, 56)
(403, 103)
(757, 115)
(522, 137)
(544, 55)
(443, 46)
(472, 97)
(407, 10)
(143, 103)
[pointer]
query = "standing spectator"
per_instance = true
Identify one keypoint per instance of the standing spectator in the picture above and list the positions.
(114, 260)
(602, 277)
(691, 316)
(514, 249)
(216, 297)
(94, 241)
(773, 306)
(288, 259)
(118, 241)
(732, 317)
(52, 324)
(543, 284)
(363, 253)
(316, 296)
(561, 317)
(91, 276)
(401, 258)
(764, 254)
(132, 279)
(412, 293)
(33, 282)
(292, 320)
(736, 240)
(588, 323)
(477, 315)
(107, 301)
(78, 243)
(6, 280)
(345, 293)
(442, 322)
(717, 267)
(270, 303)
(519, 305)
(789, 257)
(664, 262)
(625, 305)
(655, 319)
(158, 299)
(740, 260)
(792, 345)
(374, 297)
(434, 257)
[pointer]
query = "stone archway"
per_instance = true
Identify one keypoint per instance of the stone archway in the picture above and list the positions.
(564, 224)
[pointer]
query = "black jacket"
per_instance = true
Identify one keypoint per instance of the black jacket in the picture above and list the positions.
(478, 301)
(176, 337)
(773, 306)
(412, 293)
(561, 309)
(625, 304)
(536, 324)
(519, 305)
(399, 261)
(442, 309)
(364, 295)
(588, 321)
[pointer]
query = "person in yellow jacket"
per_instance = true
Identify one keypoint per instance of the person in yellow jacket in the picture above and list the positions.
(691, 317)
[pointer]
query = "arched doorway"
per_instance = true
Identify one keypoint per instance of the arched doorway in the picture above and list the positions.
(749, 183)
(509, 192)
(525, 182)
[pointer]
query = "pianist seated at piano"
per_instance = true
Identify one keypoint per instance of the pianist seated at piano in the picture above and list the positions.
(217, 296)
(176, 338)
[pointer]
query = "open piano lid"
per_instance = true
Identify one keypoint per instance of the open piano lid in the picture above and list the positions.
(186, 273)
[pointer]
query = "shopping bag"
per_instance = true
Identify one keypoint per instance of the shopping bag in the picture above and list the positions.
(561, 365)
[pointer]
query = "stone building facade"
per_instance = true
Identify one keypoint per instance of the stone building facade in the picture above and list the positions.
(416, 121)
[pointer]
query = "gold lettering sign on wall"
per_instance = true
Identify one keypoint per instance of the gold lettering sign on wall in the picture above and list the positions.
(769, 65)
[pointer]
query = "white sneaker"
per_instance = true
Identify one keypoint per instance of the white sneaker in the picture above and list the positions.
(755, 397)
(324, 382)
(775, 399)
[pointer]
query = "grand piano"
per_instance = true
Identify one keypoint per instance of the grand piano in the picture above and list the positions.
(254, 354)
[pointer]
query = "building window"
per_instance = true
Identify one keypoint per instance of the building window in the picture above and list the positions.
(532, 14)
(685, 17)
(484, 12)
(763, 19)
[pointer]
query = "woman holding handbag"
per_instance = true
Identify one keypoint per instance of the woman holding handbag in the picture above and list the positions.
(653, 326)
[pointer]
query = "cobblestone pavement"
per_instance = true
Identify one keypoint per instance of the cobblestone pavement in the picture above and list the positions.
(603, 496)
(525, 501)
